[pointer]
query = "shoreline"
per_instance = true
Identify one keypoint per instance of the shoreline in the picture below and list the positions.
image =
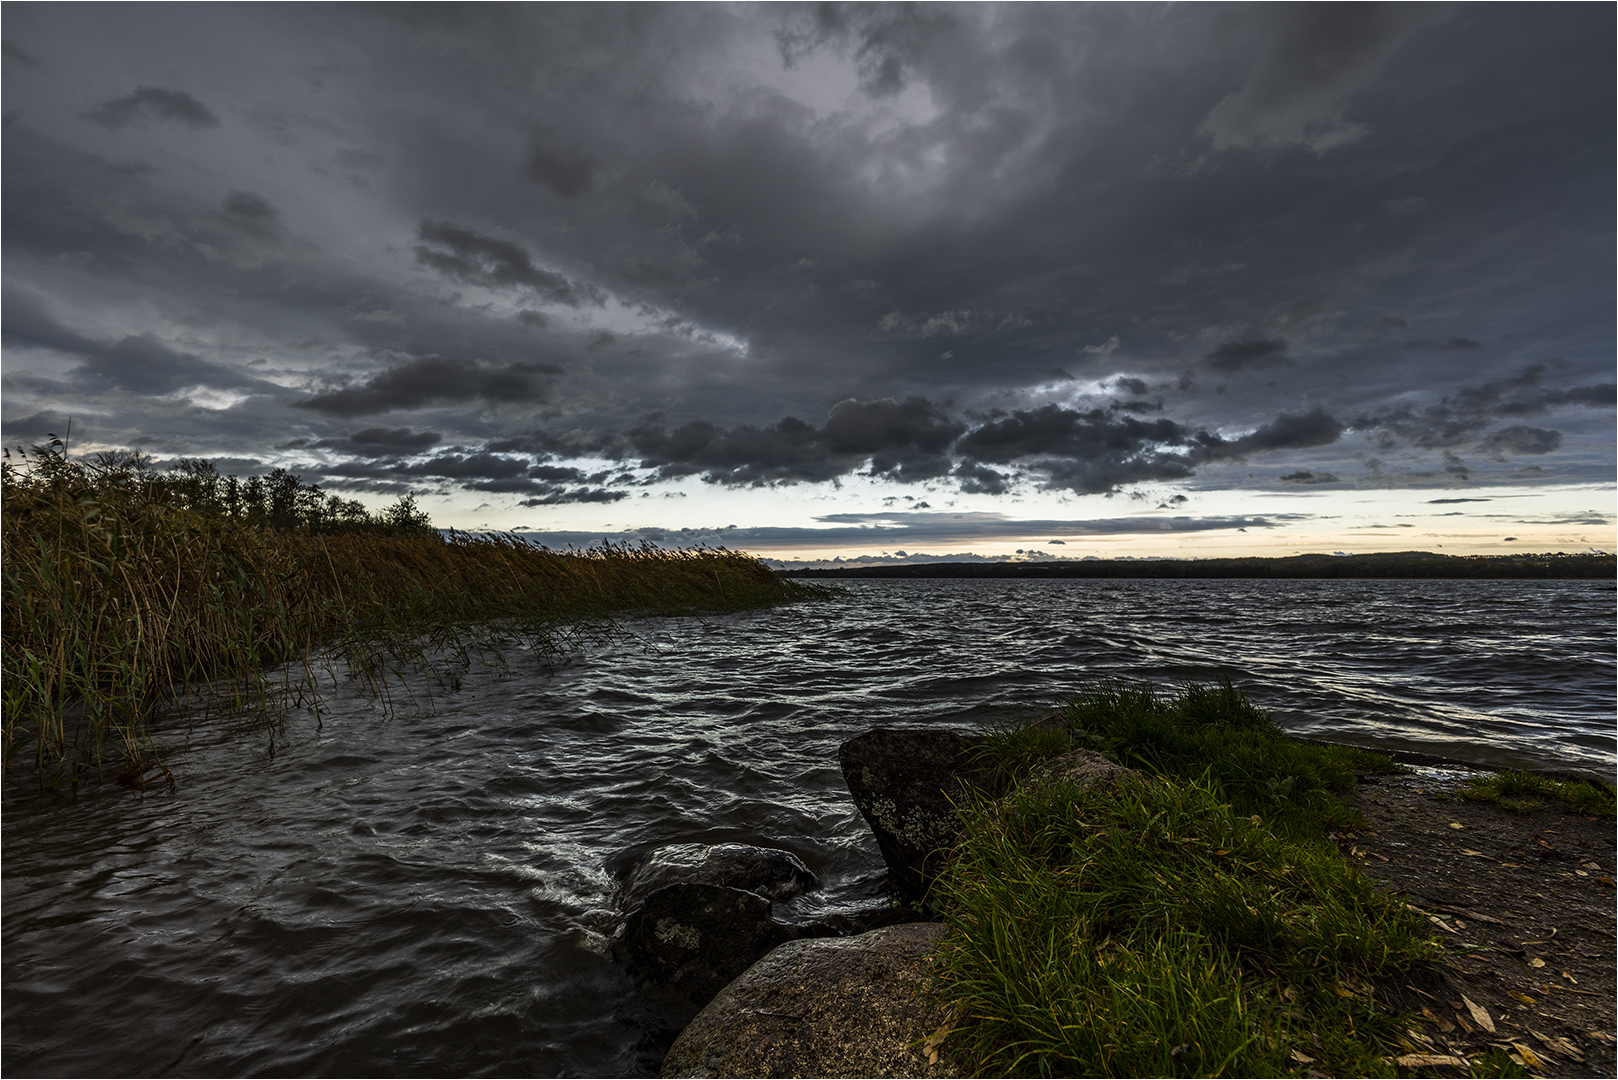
(1395, 565)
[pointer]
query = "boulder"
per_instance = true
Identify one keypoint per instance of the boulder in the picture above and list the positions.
(904, 782)
(1084, 768)
(858, 1006)
(694, 938)
(768, 872)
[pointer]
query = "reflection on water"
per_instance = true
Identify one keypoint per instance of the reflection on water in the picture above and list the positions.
(428, 894)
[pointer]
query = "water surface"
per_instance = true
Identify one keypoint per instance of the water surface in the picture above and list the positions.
(427, 893)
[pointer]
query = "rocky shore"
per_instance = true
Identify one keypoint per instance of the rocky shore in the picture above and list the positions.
(846, 995)
(853, 995)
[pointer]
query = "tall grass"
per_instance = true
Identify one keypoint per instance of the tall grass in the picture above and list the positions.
(119, 597)
(1151, 930)
(1190, 920)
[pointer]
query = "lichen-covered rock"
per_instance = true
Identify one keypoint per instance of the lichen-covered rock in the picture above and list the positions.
(859, 1006)
(905, 783)
(1085, 768)
(693, 938)
(768, 872)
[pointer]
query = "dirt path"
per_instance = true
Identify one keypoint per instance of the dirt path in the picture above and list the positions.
(1526, 903)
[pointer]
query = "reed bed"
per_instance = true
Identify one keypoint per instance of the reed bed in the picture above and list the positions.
(122, 597)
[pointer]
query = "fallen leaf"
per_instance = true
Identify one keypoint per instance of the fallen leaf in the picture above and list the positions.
(1465, 852)
(1417, 1061)
(1529, 1058)
(1468, 1028)
(1569, 977)
(1536, 962)
(1456, 825)
(1436, 921)
(1443, 1025)
(1556, 1042)
(1524, 998)
(1480, 1015)
(934, 1041)
(1302, 1059)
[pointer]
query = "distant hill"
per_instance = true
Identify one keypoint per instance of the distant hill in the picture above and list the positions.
(1396, 564)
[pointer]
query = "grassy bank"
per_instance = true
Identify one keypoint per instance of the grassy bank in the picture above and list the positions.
(1195, 919)
(124, 588)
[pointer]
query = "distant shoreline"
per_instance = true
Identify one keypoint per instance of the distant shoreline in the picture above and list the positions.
(1399, 564)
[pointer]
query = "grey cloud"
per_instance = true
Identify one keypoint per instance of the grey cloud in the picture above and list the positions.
(1286, 432)
(486, 260)
(248, 207)
(1303, 476)
(1137, 387)
(1094, 451)
(382, 442)
(903, 441)
(1521, 439)
(1454, 344)
(17, 53)
(137, 363)
(1460, 418)
(562, 166)
(1318, 55)
(544, 485)
(153, 103)
(430, 379)
(1232, 356)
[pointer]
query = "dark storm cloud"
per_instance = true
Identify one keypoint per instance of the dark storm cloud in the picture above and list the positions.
(137, 363)
(376, 442)
(904, 441)
(540, 484)
(17, 53)
(431, 380)
(1316, 56)
(1095, 451)
(248, 207)
(1251, 353)
(476, 259)
(562, 166)
(1522, 439)
(153, 103)
(1304, 476)
(737, 217)
(1454, 344)
(1285, 432)
(1460, 419)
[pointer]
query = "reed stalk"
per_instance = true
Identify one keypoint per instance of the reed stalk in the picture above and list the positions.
(126, 593)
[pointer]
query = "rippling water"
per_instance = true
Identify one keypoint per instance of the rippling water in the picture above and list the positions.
(428, 893)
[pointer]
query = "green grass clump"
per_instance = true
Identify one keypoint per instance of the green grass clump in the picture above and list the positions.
(1212, 730)
(123, 590)
(1153, 930)
(1523, 792)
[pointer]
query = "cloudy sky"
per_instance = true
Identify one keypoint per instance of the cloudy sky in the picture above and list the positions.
(837, 281)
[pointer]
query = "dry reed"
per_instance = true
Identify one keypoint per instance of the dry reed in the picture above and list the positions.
(120, 599)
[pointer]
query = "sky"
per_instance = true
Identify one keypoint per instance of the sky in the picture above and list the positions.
(829, 282)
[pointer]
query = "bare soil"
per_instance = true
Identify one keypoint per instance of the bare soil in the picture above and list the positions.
(1525, 905)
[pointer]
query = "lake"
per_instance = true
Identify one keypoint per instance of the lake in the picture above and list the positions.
(429, 891)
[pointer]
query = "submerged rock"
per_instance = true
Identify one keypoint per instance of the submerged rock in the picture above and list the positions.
(905, 783)
(858, 1006)
(768, 872)
(694, 938)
